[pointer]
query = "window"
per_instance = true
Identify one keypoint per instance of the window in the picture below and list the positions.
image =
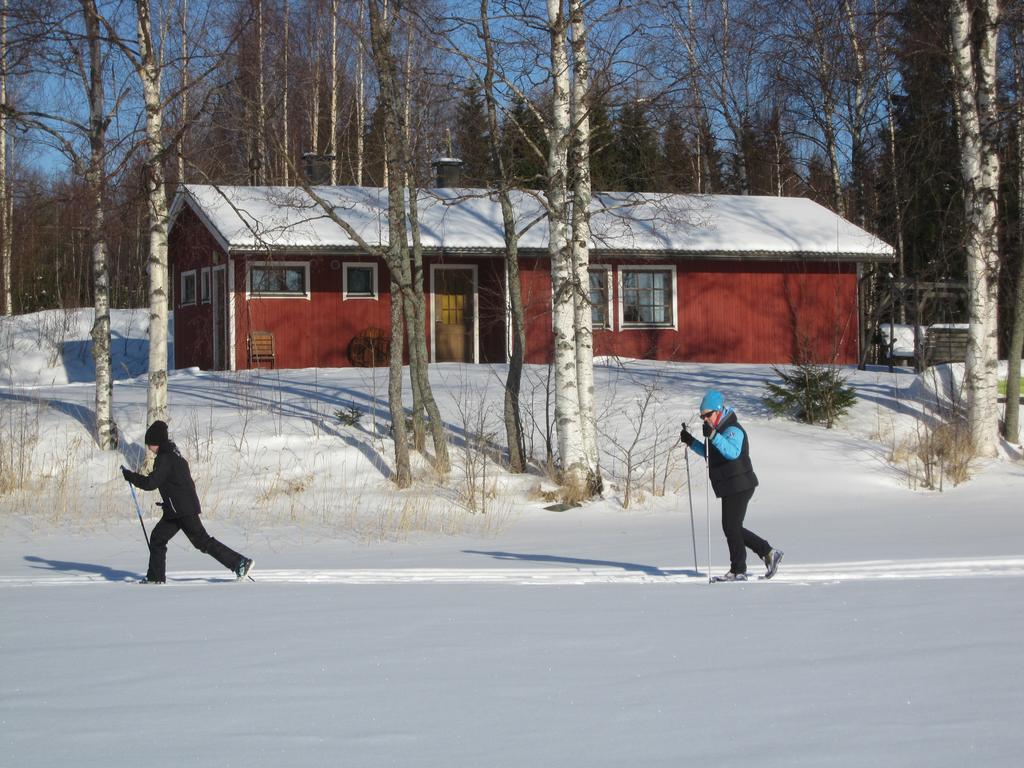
(359, 281)
(647, 296)
(188, 288)
(600, 297)
(204, 285)
(269, 279)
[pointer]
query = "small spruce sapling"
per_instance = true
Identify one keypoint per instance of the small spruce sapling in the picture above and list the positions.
(812, 393)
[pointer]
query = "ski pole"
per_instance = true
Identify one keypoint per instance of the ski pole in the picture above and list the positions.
(138, 510)
(707, 507)
(689, 493)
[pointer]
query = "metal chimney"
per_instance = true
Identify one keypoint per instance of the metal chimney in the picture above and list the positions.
(317, 168)
(447, 172)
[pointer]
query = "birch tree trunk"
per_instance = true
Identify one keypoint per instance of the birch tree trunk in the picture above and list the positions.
(413, 257)
(380, 35)
(737, 123)
(857, 155)
(513, 382)
(416, 299)
(691, 56)
(5, 218)
(829, 131)
(285, 137)
(975, 75)
(1011, 429)
(360, 96)
(185, 74)
(332, 118)
(582, 318)
(314, 98)
(568, 427)
(106, 429)
(148, 70)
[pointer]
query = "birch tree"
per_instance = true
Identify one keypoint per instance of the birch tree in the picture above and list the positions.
(148, 69)
(513, 382)
(96, 178)
(581, 198)
(568, 418)
(974, 37)
(332, 100)
(1011, 428)
(6, 259)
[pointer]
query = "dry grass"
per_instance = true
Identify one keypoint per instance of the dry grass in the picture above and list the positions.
(19, 437)
(935, 455)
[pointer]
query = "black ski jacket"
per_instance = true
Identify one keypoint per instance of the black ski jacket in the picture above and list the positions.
(170, 476)
(730, 476)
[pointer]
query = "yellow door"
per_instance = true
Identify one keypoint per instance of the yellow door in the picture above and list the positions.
(453, 315)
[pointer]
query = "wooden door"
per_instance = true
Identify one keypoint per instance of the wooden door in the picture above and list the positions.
(454, 315)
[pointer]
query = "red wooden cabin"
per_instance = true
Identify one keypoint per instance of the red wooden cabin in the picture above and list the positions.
(674, 277)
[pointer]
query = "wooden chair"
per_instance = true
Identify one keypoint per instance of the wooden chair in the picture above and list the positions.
(370, 348)
(944, 345)
(261, 348)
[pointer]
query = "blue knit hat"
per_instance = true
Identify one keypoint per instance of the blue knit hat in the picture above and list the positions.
(713, 401)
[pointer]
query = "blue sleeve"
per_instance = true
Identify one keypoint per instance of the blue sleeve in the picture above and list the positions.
(729, 443)
(698, 448)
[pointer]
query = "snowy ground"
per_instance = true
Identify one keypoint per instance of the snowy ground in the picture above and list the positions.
(400, 629)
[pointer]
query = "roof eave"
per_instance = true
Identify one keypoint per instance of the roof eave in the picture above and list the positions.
(603, 253)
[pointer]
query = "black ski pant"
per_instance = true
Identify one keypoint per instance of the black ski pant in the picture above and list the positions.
(166, 529)
(734, 509)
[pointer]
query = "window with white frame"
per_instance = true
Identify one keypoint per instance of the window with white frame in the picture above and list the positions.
(188, 288)
(359, 281)
(204, 285)
(273, 279)
(600, 296)
(647, 297)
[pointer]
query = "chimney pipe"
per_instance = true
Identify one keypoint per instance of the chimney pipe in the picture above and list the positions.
(447, 172)
(317, 168)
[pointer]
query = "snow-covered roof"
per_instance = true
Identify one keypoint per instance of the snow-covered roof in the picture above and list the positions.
(247, 219)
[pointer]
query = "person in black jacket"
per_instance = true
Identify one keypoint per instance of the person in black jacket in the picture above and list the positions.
(171, 476)
(727, 451)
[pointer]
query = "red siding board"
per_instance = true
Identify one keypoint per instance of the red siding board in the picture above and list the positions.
(742, 312)
(192, 247)
(314, 331)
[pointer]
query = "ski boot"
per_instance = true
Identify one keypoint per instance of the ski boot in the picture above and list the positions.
(772, 560)
(243, 568)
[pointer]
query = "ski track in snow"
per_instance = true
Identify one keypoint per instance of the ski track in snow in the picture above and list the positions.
(795, 573)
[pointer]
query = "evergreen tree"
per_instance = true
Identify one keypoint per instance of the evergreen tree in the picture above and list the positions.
(524, 146)
(926, 145)
(603, 160)
(637, 149)
(471, 139)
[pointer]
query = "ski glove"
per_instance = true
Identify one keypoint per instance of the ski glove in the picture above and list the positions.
(686, 437)
(708, 430)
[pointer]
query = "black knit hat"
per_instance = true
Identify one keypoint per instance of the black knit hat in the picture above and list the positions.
(157, 433)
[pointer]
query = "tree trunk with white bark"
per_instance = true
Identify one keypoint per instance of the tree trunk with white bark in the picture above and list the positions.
(332, 118)
(568, 419)
(106, 429)
(1011, 428)
(148, 70)
(974, 65)
(581, 197)
(514, 435)
(6, 260)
